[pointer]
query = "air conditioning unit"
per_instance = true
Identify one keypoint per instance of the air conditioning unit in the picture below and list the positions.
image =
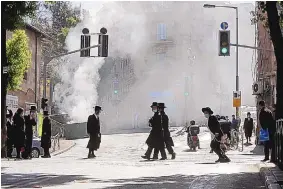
(257, 88)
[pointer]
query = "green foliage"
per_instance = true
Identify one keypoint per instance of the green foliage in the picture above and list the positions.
(14, 13)
(65, 31)
(19, 58)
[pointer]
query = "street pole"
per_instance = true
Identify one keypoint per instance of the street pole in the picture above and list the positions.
(237, 58)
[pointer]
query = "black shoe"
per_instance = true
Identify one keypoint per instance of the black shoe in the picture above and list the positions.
(173, 155)
(217, 161)
(146, 157)
(155, 157)
(163, 158)
(265, 159)
(225, 160)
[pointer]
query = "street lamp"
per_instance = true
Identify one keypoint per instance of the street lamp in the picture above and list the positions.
(237, 43)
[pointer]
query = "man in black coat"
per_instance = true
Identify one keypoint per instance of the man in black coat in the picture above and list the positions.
(215, 128)
(19, 133)
(46, 135)
(10, 133)
(164, 121)
(150, 140)
(30, 121)
(248, 127)
(267, 122)
(93, 129)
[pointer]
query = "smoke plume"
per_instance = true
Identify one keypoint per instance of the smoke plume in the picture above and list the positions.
(190, 76)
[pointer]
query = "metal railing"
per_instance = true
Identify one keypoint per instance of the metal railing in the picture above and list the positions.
(279, 143)
(58, 132)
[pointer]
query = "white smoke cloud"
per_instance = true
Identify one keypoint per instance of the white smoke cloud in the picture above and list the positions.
(193, 57)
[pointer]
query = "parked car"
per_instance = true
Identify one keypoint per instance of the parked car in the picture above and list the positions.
(36, 150)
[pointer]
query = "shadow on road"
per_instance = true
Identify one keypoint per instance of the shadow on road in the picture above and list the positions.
(220, 181)
(16, 180)
(217, 181)
(258, 150)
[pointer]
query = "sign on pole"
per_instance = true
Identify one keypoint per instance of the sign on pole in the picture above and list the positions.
(237, 99)
(224, 25)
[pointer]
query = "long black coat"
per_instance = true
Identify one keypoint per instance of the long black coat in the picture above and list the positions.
(93, 129)
(29, 129)
(165, 125)
(248, 127)
(214, 127)
(156, 136)
(267, 121)
(46, 133)
(10, 134)
(19, 125)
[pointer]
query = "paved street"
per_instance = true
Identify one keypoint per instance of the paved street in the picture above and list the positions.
(118, 165)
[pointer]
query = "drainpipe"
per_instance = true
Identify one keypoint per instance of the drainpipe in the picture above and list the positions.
(35, 81)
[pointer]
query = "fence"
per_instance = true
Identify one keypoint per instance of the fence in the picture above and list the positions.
(57, 132)
(279, 143)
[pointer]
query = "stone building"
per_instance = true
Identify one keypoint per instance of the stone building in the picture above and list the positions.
(266, 67)
(29, 94)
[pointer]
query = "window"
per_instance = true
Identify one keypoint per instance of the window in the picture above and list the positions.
(161, 32)
(26, 76)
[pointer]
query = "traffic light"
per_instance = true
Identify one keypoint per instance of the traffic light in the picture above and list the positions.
(85, 42)
(186, 94)
(224, 43)
(115, 92)
(44, 102)
(103, 49)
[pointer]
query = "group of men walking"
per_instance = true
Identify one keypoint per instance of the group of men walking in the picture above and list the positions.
(159, 136)
(20, 133)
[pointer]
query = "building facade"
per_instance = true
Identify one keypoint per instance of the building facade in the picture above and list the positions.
(266, 67)
(29, 92)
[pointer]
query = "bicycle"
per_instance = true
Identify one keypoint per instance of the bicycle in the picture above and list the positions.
(234, 142)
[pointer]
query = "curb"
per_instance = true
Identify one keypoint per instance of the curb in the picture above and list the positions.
(269, 175)
(64, 150)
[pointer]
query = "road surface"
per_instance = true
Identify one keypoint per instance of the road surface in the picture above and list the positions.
(118, 165)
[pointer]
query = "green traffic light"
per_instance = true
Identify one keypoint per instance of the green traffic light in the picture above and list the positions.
(224, 50)
(186, 94)
(115, 91)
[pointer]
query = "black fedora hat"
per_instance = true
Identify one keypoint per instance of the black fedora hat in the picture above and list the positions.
(207, 109)
(32, 108)
(161, 105)
(97, 108)
(154, 104)
(46, 113)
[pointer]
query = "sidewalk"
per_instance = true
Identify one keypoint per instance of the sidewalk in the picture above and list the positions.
(65, 145)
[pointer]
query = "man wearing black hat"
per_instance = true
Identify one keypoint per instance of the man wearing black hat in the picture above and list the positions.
(30, 121)
(93, 129)
(215, 128)
(164, 121)
(46, 135)
(151, 140)
(267, 122)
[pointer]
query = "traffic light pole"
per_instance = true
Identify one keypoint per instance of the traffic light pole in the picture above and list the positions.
(250, 47)
(237, 57)
(48, 60)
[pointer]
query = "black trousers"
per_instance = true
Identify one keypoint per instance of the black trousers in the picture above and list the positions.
(28, 146)
(215, 146)
(46, 152)
(156, 151)
(269, 145)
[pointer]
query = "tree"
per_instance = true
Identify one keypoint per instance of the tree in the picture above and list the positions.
(273, 21)
(13, 15)
(19, 58)
(55, 19)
